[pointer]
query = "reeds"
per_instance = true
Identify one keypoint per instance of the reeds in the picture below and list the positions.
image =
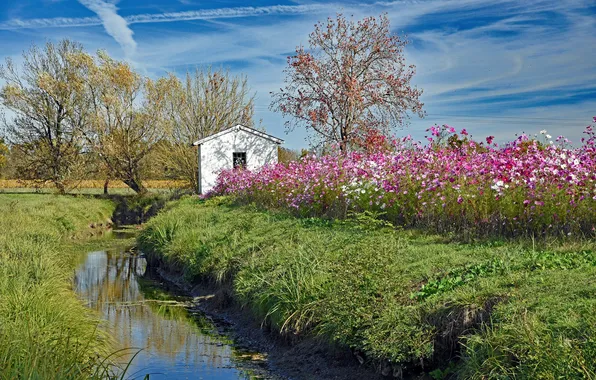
(45, 330)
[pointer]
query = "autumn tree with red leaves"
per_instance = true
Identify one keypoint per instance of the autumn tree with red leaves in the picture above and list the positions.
(352, 83)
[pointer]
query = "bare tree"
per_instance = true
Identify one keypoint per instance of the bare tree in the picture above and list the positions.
(352, 81)
(45, 94)
(207, 102)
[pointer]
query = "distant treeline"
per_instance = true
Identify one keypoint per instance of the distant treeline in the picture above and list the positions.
(74, 115)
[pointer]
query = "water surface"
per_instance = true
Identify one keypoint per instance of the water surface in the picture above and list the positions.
(141, 314)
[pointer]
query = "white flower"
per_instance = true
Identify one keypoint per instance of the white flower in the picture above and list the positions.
(549, 137)
(543, 132)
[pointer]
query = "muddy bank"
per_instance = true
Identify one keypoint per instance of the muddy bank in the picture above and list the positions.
(291, 358)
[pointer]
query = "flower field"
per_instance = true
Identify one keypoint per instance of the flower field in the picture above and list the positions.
(532, 186)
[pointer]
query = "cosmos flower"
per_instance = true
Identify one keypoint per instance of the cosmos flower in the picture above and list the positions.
(413, 181)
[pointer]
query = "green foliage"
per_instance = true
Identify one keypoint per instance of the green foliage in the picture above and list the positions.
(45, 331)
(458, 277)
(368, 220)
(535, 260)
(401, 297)
(137, 209)
(440, 374)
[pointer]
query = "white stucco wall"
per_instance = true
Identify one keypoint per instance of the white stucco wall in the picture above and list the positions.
(216, 154)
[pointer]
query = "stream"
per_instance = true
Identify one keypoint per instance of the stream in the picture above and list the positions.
(169, 339)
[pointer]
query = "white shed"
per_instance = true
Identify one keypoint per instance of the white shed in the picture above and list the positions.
(233, 147)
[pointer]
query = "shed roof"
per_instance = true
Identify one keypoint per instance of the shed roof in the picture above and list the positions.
(239, 127)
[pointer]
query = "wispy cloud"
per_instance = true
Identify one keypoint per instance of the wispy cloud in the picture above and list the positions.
(107, 13)
(230, 13)
(56, 22)
(114, 24)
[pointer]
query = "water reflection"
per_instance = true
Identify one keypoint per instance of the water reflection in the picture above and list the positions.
(175, 344)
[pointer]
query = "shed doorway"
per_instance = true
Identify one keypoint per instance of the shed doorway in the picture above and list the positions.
(239, 159)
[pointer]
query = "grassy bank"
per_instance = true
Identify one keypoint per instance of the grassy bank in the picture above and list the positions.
(404, 300)
(45, 331)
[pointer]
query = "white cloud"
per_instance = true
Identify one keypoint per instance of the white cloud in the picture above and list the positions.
(114, 24)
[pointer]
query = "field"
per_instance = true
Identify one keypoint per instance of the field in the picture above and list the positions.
(45, 331)
(404, 300)
(87, 186)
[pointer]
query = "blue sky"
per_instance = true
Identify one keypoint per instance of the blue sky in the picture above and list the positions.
(493, 67)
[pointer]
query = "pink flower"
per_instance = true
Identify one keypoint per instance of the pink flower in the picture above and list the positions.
(491, 178)
(464, 132)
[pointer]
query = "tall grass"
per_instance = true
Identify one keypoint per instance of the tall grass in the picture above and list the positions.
(45, 331)
(413, 300)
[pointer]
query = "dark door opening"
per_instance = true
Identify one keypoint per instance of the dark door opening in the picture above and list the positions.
(239, 159)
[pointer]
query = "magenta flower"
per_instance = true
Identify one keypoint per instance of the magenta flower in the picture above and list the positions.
(414, 183)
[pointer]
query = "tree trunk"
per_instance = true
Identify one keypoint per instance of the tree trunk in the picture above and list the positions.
(105, 186)
(60, 187)
(136, 185)
(343, 147)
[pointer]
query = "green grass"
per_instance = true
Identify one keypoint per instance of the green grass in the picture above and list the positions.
(45, 330)
(498, 309)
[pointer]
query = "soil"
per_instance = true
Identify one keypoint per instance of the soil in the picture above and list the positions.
(296, 359)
